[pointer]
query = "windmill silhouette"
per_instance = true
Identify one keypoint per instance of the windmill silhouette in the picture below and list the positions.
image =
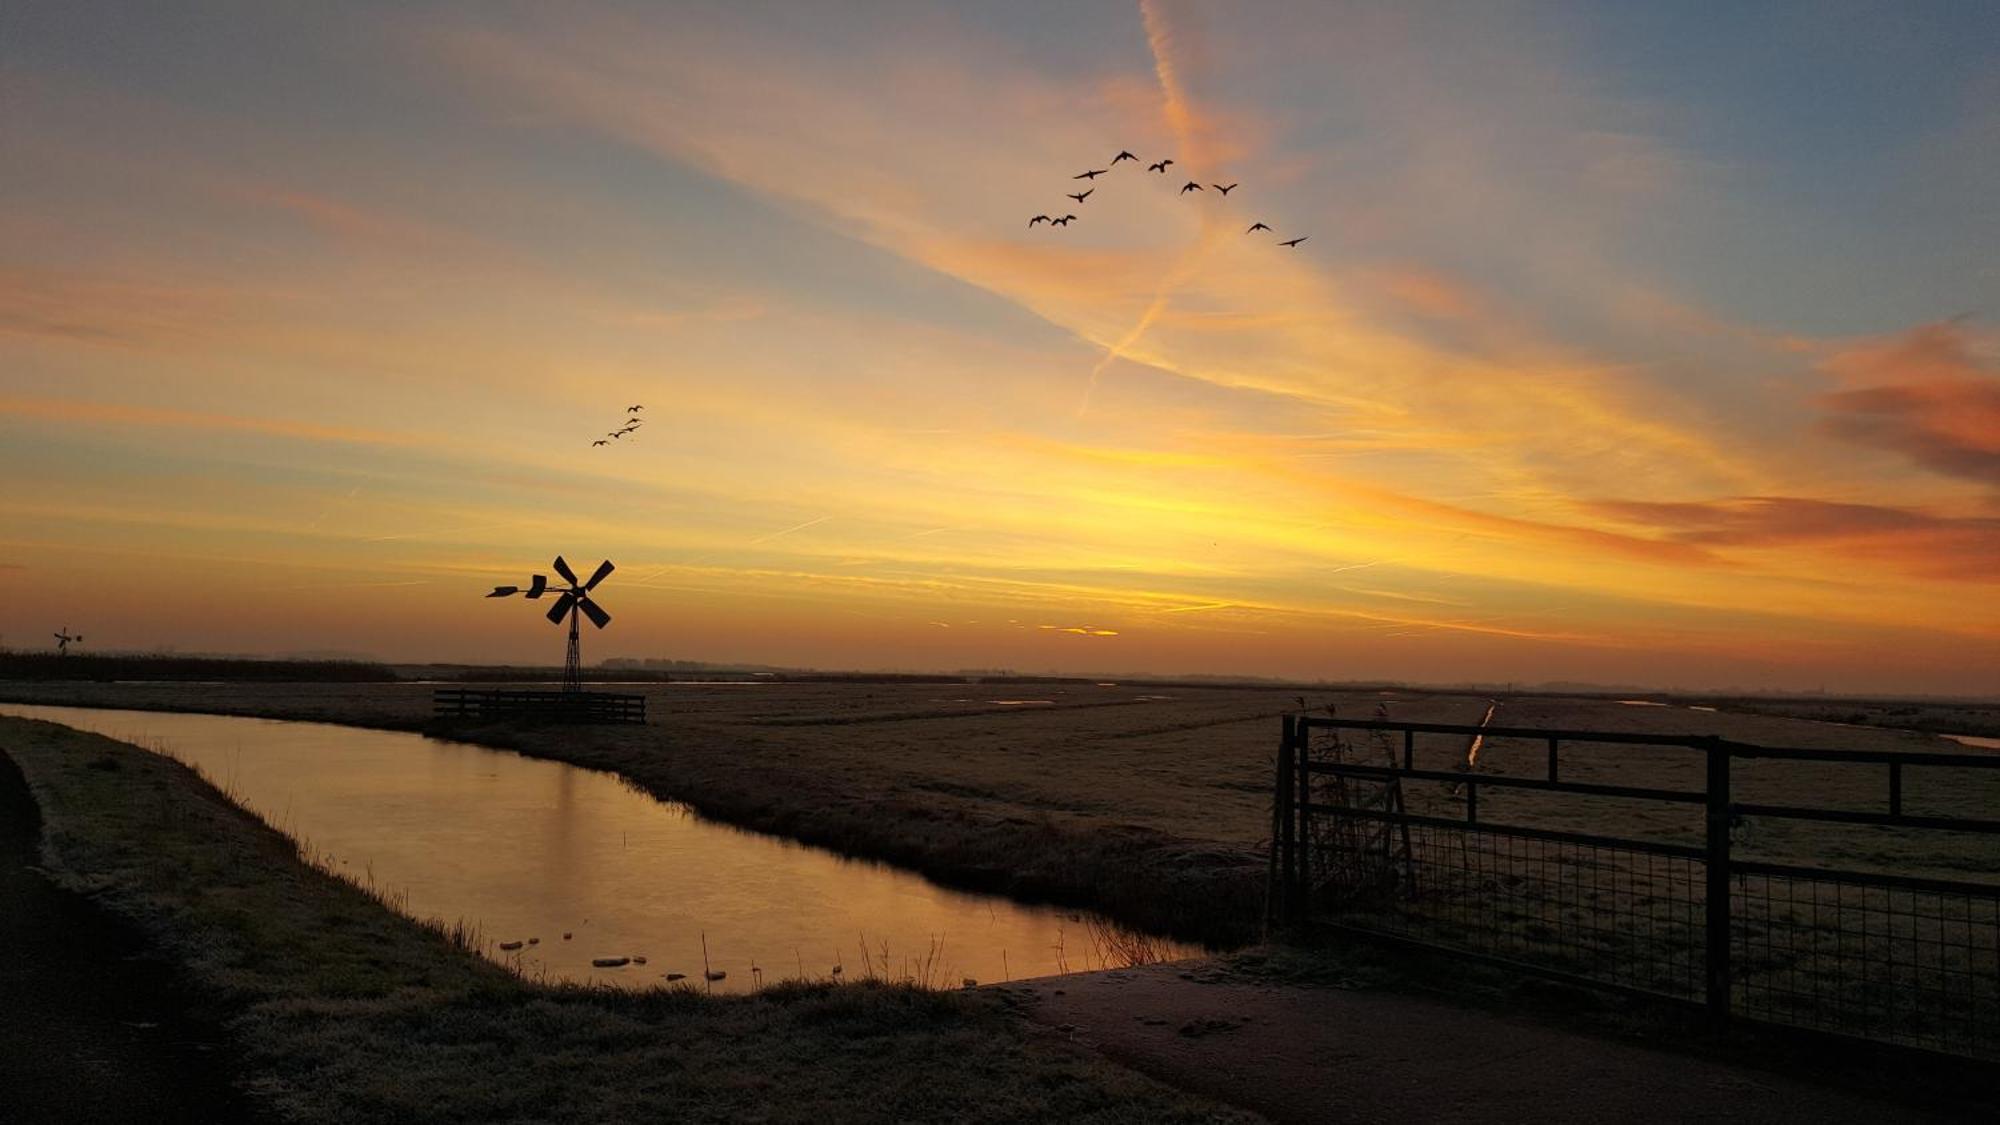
(63, 640)
(573, 603)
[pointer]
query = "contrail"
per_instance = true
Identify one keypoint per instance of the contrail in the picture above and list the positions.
(788, 531)
(1180, 116)
(443, 531)
(1200, 608)
(1187, 132)
(707, 555)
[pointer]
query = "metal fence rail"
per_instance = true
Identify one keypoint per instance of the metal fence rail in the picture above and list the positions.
(538, 706)
(1899, 958)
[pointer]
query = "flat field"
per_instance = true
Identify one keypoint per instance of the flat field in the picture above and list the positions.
(1150, 803)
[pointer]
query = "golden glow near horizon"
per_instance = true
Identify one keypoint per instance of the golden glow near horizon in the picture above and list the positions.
(1587, 372)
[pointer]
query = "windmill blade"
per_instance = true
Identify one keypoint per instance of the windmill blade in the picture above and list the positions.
(560, 610)
(503, 591)
(538, 587)
(604, 570)
(563, 569)
(590, 609)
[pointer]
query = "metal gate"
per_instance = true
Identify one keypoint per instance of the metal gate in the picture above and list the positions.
(1679, 888)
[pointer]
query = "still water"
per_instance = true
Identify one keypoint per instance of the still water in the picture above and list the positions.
(531, 849)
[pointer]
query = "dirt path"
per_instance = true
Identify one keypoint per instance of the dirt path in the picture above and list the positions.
(91, 1027)
(1299, 1054)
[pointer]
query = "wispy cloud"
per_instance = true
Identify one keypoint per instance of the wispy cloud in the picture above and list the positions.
(1924, 394)
(83, 413)
(1906, 540)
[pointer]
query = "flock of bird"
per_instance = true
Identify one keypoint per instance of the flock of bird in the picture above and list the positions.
(1158, 167)
(632, 423)
(633, 419)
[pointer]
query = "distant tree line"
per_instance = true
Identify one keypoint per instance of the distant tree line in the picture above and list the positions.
(101, 667)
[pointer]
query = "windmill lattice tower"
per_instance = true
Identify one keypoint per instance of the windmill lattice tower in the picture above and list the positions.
(574, 604)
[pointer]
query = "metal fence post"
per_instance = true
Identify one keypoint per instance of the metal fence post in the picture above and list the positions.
(1277, 877)
(1717, 908)
(1302, 817)
(1281, 829)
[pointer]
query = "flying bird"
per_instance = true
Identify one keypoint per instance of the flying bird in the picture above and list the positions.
(1090, 175)
(1160, 167)
(1040, 219)
(1062, 222)
(1220, 188)
(1083, 196)
(600, 441)
(1190, 186)
(616, 434)
(635, 409)
(1296, 241)
(1123, 155)
(1255, 227)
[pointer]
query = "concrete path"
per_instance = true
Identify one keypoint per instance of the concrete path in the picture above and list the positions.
(1299, 1054)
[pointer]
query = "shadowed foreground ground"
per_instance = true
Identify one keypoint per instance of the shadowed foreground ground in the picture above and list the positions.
(92, 1024)
(1328, 1054)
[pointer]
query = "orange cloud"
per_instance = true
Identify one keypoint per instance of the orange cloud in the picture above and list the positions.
(76, 309)
(1923, 394)
(1905, 539)
(344, 219)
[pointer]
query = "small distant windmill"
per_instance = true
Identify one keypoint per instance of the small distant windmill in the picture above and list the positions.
(63, 640)
(572, 603)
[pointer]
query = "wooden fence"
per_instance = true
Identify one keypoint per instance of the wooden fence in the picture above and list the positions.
(539, 706)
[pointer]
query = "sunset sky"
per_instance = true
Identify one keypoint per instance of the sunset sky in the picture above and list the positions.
(1631, 342)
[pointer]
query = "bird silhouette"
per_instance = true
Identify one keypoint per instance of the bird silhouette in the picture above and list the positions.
(1039, 219)
(600, 441)
(1062, 222)
(1190, 186)
(1296, 241)
(1090, 175)
(635, 409)
(1220, 188)
(1085, 195)
(1123, 155)
(1255, 227)
(1160, 167)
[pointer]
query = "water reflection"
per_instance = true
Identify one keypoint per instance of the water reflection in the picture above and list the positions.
(531, 850)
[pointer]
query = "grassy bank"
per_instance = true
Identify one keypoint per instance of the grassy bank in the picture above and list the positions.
(340, 1010)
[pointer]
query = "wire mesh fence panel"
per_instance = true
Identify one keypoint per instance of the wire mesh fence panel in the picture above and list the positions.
(1653, 879)
(1623, 917)
(1906, 964)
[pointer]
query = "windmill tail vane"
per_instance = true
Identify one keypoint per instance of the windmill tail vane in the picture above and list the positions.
(573, 604)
